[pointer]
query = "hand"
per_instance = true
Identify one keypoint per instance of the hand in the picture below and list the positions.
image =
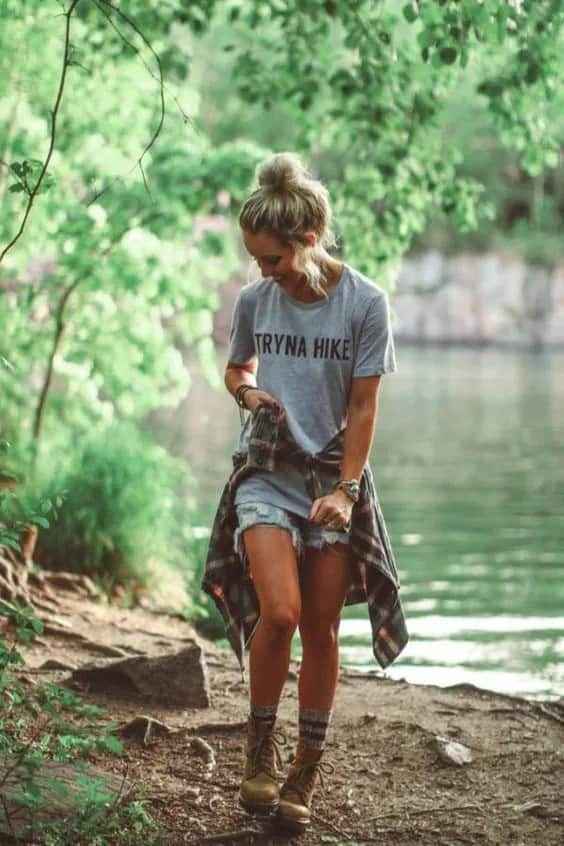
(332, 511)
(254, 398)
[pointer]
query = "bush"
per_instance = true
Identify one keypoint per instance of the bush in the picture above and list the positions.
(48, 723)
(202, 611)
(120, 505)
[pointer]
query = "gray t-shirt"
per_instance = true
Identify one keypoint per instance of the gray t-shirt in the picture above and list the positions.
(308, 353)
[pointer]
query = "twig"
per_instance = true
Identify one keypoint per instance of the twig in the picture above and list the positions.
(185, 117)
(59, 329)
(328, 824)
(130, 22)
(220, 727)
(549, 713)
(8, 817)
(60, 326)
(416, 812)
(34, 191)
(239, 834)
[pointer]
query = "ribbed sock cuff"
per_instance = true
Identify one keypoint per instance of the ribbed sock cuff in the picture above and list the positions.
(264, 716)
(314, 724)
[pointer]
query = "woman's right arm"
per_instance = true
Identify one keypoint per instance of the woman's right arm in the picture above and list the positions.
(245, 374)
(242, 364)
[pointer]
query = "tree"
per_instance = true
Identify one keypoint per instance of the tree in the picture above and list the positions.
(113, 278)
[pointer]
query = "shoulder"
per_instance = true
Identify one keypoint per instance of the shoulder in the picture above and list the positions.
(250, 292)
(367, 294)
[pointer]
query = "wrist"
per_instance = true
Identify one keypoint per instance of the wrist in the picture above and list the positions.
(350, 488)
(343, 497)
(241, 392)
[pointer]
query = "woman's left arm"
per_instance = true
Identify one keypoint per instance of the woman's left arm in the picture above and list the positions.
(361, 419)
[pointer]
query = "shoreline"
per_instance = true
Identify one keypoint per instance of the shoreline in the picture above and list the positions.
(390, 783)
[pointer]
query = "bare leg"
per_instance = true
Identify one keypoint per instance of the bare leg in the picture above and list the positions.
(274, 569)
(326, 579)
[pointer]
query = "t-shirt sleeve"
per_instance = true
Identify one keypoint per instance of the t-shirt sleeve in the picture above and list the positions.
(241, 341)
(376, 353)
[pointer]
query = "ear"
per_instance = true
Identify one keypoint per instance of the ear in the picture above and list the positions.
(309, 239)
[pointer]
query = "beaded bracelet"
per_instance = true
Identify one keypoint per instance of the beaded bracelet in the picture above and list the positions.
(240, 398)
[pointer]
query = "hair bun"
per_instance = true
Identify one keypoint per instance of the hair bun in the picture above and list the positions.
(281, 173)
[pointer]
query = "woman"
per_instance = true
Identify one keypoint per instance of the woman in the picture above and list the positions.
(299, 532)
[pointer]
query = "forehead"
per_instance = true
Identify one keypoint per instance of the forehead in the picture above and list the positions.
(260, 244)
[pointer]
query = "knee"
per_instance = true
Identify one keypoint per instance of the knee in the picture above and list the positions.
(281, 620)
(319, 635)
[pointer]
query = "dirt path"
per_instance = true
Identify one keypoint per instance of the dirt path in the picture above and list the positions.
(389, 785)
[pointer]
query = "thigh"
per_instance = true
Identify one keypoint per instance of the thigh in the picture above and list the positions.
(325, 579)
(272, 545)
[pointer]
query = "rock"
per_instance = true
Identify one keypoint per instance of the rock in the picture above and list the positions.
(55, 664)
(452, 752)
(63, 787)
(204, 750)
(144, 729)
(537, 809)
(175, 679)
(479, 299)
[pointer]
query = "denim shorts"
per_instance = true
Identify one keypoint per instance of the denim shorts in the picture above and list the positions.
(302, 531)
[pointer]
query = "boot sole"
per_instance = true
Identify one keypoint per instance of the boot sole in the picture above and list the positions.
(291, 823)
(261, 809)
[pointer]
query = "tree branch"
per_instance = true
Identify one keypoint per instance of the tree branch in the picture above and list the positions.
(147, 43)
(54, 114)
(60, 328)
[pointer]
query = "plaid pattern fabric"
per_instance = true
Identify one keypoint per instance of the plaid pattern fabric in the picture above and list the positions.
(375, 581)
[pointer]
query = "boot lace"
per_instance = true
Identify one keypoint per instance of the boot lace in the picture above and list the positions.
(302, 780)
(261, 753)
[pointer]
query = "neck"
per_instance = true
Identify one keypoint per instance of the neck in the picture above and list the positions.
(299, 290)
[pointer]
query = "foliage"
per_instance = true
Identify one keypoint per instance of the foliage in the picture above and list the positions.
(137, 136)
(116, 277)
(18, 512)
(372, 82)
(124, 506)
(202, 611)
(52, 723)
(104, 292)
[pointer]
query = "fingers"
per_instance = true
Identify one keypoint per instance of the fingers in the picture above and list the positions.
(262, 398)
(328, 515)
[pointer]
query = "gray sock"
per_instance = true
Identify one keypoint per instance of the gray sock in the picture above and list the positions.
(314, 723)
(264, 717)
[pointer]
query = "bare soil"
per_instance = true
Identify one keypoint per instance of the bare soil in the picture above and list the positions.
(389, 784)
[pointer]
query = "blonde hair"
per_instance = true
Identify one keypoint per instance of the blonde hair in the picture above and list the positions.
(288, 203)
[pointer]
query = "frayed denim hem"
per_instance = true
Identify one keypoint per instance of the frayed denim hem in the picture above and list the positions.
(261, 514)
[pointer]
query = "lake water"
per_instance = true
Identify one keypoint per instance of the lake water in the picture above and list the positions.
(468, 461)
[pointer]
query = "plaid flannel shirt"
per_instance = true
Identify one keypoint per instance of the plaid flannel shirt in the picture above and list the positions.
(375, 581)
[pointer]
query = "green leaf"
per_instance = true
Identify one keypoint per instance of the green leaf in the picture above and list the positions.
(112, 744)
(16, 188)
(410, 12)
(37, 625)
(448, 55)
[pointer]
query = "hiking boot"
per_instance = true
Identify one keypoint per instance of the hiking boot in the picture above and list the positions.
(259, 791)
(297, 791)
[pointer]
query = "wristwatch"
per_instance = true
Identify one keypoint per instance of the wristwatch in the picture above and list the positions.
(351, 487)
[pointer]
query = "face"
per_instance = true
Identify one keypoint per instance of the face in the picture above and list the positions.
(274, 257)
